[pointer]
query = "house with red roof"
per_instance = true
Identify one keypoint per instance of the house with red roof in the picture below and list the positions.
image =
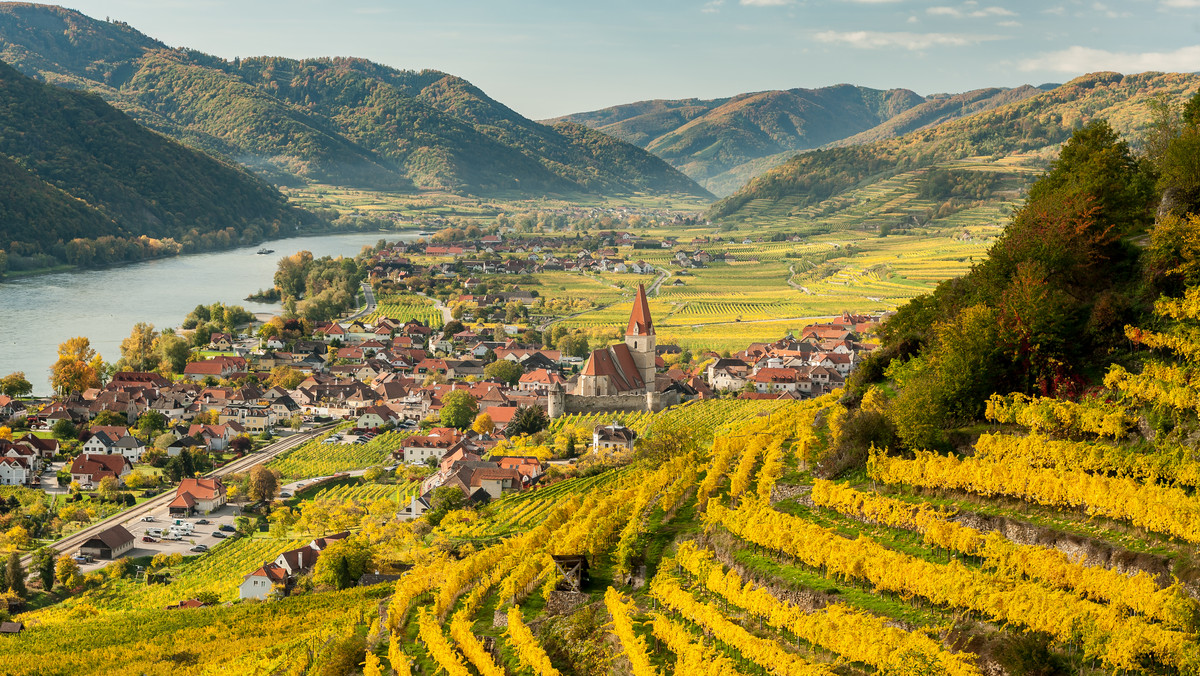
(262, 583)
(90, 469)
(197, 495)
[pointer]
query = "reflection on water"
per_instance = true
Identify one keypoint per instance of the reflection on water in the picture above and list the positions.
(38, 313)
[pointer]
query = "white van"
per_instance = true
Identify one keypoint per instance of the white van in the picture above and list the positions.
(154, 532)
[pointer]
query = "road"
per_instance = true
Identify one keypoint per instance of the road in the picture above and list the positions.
(73, 541)
(369, 294)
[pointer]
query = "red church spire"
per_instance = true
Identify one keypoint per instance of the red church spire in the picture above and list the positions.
(639, 319)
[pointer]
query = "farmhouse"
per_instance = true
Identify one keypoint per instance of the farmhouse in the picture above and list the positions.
(259, 584)
(88, 469)
(609, 437)
(197, 495)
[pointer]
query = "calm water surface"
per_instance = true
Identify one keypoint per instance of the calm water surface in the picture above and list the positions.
(38, 313)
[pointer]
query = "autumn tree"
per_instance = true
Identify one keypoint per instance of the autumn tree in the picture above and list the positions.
(504, 370)
(458, 409)
(343, 562)
(483, 424)
(137, 351)
(286, 377)
(78, 368)
(264, 484)
(66, 572)
(15, 384)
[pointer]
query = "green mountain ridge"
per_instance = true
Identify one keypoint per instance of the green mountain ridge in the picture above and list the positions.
(722, 143)
(85, 184)
(1038, 123)
(342, 121)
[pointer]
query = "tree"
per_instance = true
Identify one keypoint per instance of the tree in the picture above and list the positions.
(66, 572)
(43, 564)
(452, 327)
(108, 488)
(504, 370)
(173, 351)
(152, 422)
(244, 525)
(107, 418)
(264, 484)
(138, 351)
(15, 574)
(64, 430)
(483, 424)
(527, 420)
(286, 377)
(15, 385)
(343, 562)
(78, 367)
(458, 409)
(121, 568)
(374, 473)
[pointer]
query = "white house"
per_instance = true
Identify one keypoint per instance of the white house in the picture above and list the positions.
(261, 583)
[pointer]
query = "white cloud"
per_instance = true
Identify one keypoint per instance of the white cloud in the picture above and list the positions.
(765, 3)
(970, 12)
(906, 40)
(1185, 4)
(712, 7)
(1086, 60)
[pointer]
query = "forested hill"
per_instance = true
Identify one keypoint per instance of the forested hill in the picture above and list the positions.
(342, 121)
(1039, 122)
(82, 183)
(722, 143)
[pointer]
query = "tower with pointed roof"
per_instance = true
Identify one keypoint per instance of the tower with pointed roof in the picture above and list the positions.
(640, 338)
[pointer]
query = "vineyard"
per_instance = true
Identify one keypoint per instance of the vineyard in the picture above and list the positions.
(697, 565)
(407, 307)
(317, 458)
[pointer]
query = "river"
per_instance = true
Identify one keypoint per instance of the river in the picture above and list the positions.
(37, 313)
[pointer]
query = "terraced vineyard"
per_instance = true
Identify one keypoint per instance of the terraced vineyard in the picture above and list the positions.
(407, 307)
(317, 458)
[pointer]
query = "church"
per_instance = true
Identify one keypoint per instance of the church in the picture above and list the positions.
(619, 377)
(624, 368)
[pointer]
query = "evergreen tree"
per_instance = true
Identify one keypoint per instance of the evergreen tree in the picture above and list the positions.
(43, 563)
(15, 577)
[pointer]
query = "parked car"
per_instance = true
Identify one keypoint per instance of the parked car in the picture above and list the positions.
(147, 518)
(172, 537)
(82, 558)
(147, 538)
(200, 548)
(154, 532)
(203, 522)
(218, 535)
(227, 528)
(285, 494)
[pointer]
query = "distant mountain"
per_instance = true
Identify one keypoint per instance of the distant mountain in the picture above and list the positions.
(707, 138)
(1037, 122)
(81, 182)
(341, 121)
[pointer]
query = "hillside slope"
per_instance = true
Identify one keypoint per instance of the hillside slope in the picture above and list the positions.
(723, 143)
(341, 121)
(1036, 123)
(75, 171)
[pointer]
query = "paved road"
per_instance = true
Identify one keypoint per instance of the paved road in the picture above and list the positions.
(369, 294)
(73, 541)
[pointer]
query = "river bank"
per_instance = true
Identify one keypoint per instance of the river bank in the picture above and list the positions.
(39, 312)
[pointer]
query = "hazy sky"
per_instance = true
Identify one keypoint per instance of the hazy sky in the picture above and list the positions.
(551, 57)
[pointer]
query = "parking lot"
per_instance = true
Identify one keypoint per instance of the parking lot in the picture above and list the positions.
(202, 534)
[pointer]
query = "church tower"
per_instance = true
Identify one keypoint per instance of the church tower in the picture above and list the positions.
(639, 336)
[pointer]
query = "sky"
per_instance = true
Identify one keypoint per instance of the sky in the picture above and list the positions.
(545, 58)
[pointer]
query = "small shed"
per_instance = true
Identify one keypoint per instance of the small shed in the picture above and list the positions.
(11, 627)
(574, 570)
(111, 544)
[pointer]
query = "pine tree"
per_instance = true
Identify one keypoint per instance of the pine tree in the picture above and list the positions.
(15, 577)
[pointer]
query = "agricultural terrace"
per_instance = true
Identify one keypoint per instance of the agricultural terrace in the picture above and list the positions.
(892, 568)
(406, 307)
(317, 458)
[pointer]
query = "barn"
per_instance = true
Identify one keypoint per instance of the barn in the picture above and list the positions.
(110, 544)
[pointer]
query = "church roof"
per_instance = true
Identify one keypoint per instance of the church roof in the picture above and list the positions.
(617, 363)
(639, 319)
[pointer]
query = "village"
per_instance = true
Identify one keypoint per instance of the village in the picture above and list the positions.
(363, 378)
